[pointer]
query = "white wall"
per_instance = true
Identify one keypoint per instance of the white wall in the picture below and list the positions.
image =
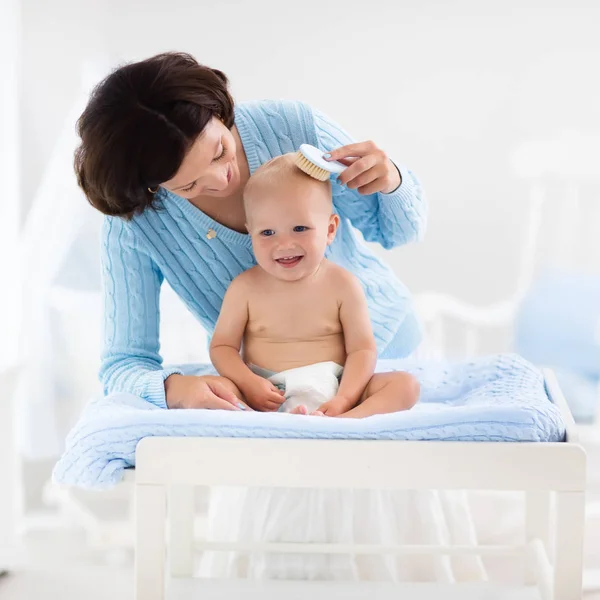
(448, 87)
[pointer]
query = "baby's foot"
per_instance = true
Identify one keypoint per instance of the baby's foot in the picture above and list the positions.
(302, 410)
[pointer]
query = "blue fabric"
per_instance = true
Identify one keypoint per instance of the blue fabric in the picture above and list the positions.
(170, 243)
(498, 398)
(558, 325)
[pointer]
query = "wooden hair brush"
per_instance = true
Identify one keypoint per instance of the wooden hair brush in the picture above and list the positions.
(310, 160)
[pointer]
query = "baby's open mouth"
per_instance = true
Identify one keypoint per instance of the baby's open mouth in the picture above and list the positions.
(289, 261)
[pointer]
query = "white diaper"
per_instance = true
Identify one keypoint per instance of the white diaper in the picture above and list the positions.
(310, 386)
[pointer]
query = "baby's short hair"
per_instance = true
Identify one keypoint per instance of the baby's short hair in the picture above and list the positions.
(280, 171)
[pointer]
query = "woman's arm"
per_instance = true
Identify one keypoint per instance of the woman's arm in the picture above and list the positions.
(390, 219)
(131, 361)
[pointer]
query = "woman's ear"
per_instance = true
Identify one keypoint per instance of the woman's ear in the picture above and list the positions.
(334, 223)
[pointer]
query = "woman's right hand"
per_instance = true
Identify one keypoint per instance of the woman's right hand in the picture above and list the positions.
(261, 394)
(206, 391)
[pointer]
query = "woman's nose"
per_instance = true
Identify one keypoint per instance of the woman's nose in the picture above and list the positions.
(219, 182)
(223, 180)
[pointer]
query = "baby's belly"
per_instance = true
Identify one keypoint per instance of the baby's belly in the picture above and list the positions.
(281, 355)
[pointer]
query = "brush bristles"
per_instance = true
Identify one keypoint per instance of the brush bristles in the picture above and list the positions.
(310, 168)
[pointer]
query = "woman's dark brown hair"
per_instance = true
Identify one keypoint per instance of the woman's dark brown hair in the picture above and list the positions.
(140, 123)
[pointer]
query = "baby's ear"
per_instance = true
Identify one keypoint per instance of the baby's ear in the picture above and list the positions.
(334, 223)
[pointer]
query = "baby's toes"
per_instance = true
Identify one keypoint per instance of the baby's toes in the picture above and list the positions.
(299, 410)
(317, 413)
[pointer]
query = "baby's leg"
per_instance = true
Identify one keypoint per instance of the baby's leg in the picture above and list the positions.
(386, 393)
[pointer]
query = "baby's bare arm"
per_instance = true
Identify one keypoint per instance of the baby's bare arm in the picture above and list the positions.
(259, 393)
(229, 332)
(361, 349)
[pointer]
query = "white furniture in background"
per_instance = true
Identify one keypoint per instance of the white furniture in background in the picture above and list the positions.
(563, 178)
(557, 172)
(437, 309)
(167, 469)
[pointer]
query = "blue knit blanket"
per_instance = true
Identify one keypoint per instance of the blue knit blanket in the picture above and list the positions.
(500, 398)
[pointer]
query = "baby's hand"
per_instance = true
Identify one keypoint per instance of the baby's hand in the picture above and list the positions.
(338, 405)
(261, 394)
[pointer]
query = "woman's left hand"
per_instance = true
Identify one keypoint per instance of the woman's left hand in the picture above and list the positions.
(369, 169)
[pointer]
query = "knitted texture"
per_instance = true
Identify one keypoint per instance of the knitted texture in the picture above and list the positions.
(170, 243)
(498, 398)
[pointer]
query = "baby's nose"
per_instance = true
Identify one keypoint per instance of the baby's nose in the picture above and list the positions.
(285, 242)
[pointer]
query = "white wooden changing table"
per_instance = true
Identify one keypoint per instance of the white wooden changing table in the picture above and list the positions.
(168, 468)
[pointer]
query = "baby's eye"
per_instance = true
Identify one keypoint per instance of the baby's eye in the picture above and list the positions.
(267, 232)
(301, 228)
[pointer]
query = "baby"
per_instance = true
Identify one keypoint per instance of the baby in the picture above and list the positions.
(294, 332)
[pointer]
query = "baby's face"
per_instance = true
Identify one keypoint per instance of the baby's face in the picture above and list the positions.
(291, 230)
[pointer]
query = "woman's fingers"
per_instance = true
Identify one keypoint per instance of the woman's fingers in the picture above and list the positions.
(369, 169)
(370, 188)
(216, 403)
(359, 169)
(222, 392)
(349, 161)
(357, 149)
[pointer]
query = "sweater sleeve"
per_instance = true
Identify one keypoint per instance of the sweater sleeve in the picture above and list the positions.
(390, 219)
(131, 280)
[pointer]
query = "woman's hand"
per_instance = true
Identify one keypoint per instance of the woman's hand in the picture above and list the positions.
(207, 391)
(369, 169)
(261, 394)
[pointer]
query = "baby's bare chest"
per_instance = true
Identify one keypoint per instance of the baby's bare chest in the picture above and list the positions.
(294, 316)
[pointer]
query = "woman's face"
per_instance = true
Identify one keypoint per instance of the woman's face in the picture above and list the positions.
(210, 168)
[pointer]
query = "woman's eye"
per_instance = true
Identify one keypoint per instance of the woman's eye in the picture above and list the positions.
(267, 232)
(190, 188)
(222, 155)
(300, 228)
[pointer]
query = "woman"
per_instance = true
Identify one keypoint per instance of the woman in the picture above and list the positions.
(165, 155)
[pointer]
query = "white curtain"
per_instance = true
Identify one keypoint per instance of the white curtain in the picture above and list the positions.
(9, 176)
(58, 221)
(61, 335)
(9, 224)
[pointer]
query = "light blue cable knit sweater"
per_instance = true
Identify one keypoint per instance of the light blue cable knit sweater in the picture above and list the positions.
(171, 244)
